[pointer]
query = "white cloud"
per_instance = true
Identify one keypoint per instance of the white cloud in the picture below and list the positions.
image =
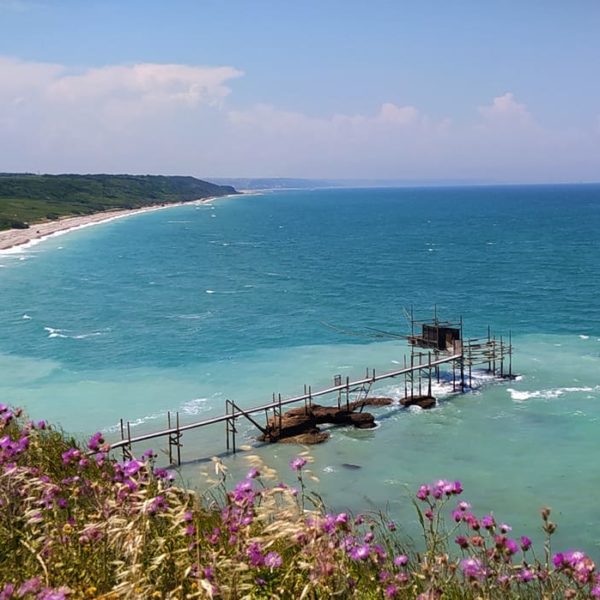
(152, 83)
(505, 108)
(170, 118)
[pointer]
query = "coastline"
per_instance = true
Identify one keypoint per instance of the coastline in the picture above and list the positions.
(13, 240)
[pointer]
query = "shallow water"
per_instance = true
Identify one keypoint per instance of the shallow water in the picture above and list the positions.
(183, 308)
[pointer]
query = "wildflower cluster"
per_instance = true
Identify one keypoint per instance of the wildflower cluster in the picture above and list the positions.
(75, 523)
(491, 560)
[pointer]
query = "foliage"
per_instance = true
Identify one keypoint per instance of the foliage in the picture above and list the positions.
(76, 523)
(27, 198)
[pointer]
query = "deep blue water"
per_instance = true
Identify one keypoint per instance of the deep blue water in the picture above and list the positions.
(181, 308)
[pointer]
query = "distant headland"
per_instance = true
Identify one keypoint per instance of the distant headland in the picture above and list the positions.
(26, 198)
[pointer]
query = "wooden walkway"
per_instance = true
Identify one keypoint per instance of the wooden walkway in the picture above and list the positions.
(234, 412)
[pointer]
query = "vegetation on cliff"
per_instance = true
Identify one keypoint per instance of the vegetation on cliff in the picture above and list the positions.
(75, 523)
(27, 198)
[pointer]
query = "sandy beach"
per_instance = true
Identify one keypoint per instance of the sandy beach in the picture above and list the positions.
(12, 238)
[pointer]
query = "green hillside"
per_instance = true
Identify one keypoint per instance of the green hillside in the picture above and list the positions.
(26, 198)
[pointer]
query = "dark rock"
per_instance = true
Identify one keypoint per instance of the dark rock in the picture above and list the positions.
(351, 467)
(424, 402)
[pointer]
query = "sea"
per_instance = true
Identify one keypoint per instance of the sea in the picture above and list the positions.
(180, 309)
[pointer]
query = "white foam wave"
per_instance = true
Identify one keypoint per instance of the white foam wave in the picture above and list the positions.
(54, 332)
(136, 422)
(83, 336)
(26, 317)
(550, 394)
(210, 291)
(584, 337)
(195, 406)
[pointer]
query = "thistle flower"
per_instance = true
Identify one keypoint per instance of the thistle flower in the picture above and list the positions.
(298, 463)
(272, 560)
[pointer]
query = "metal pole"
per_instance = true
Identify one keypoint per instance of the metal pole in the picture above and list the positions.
(510, 354)
(129, 437)
(453, 375)
(347, 393)
(489, 349)
(179, 443)
(412, 375)
(279, 413)
(122, 438)
(170, 438)
(470, 367)
(227, 424)
(501, 357)
(429, 374)
(405, 382)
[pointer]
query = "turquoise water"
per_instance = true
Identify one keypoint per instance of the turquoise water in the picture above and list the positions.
(182, 308)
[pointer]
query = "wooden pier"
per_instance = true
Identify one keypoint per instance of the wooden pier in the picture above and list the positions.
(438, 345)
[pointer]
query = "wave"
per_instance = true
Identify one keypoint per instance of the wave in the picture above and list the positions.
(195, 406)
(550, 394)
(54, 332)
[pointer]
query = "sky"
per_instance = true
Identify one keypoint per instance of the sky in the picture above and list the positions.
(496, 91)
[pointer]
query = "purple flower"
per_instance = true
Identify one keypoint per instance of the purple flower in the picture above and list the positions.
(341, 519)
(525, 543)
(157, 505)
(360, 552)
(526, 575)
(511, 546)
(391, 526)
(558, 560)
(95, 442)
(297, 463)
(253, 473)
(71, 455)
(273, 560)
(391, 591)
(462, 541)
(504, 528)
(488, 521)
(423, 492)
(50, 594)
(472, 568)
(401, 560)
(255, 555)
(7, 591)
(30, 586)
(131, 467)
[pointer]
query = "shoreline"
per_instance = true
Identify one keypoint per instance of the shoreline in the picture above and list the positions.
(15, 240)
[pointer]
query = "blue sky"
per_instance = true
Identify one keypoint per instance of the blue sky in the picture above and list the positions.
(494, 90)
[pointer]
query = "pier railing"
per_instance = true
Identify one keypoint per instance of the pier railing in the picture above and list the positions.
(234, 412)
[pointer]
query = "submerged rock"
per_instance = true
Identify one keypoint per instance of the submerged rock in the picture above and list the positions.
(423, 401)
